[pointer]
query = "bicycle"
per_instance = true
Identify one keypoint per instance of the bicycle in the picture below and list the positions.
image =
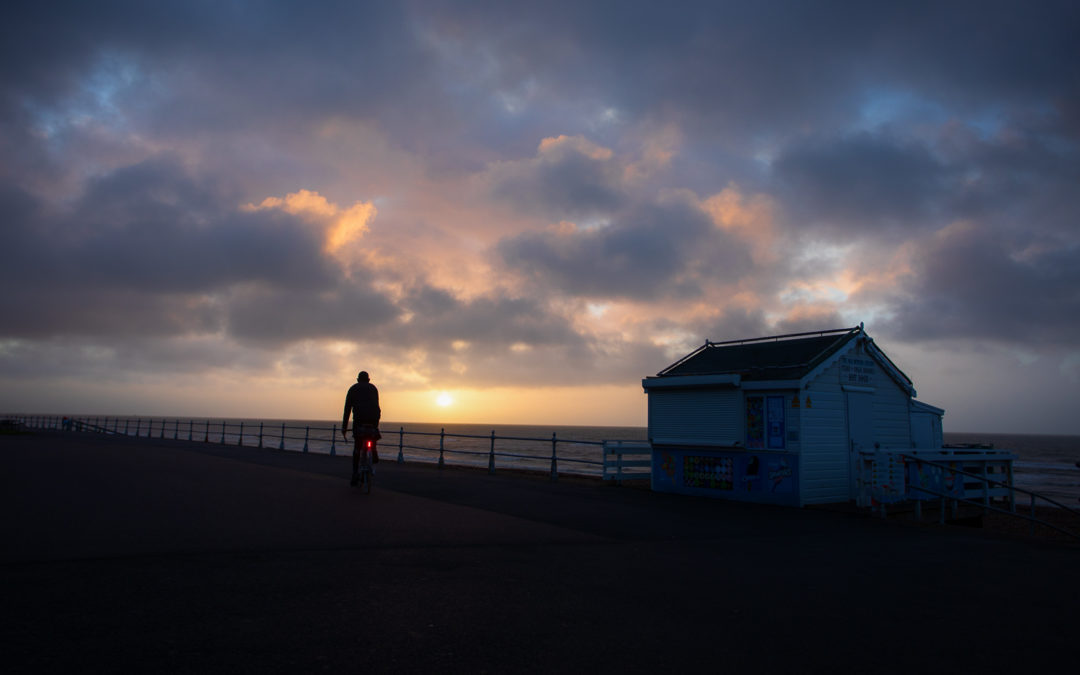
(364, 471)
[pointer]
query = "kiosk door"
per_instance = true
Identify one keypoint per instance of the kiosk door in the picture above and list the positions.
(860, 414)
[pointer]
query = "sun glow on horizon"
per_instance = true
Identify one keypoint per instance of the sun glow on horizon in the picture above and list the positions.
(444, 399)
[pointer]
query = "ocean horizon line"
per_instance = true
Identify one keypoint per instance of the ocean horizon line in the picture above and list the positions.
(398, 423)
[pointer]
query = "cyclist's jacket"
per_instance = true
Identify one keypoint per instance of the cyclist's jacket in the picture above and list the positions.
(363, 402)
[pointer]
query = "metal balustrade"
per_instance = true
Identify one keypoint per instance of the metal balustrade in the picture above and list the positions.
(513, 451)
(976, 487)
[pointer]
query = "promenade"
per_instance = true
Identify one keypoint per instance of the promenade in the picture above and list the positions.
(122, 554)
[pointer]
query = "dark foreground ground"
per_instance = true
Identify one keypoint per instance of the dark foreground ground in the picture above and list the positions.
(160, 556)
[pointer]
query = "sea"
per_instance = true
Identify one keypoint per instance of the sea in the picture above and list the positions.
(1045, 464)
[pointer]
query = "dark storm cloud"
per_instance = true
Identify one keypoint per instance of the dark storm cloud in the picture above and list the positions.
(140, 251)
(975, 283)
(648, 252)
(325, 53)
(873, 185)
(280, 316)
(773, 66)
(438, 317)
(151, 226)
(569, 180)
(863, 183)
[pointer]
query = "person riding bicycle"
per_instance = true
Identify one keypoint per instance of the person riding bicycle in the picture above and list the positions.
(362, 402)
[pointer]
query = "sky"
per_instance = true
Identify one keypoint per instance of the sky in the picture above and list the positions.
(512, 212)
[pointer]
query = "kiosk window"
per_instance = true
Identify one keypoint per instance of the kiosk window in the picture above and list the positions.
(765, 422)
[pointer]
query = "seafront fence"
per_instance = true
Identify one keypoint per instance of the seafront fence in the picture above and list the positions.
(558, 455)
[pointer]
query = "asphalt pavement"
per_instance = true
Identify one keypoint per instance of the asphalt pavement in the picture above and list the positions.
(151, 555)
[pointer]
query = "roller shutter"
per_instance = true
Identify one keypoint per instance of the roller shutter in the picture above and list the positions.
(695, 417)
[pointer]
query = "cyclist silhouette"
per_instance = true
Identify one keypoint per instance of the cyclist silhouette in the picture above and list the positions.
(362, 402)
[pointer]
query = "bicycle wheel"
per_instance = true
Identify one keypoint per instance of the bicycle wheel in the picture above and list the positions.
(367, 476)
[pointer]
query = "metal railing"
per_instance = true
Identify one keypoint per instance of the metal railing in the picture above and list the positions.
(986, 504)
(309, 438)
(975, 488)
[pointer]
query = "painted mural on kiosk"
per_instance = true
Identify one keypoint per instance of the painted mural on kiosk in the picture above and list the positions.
(770, 477)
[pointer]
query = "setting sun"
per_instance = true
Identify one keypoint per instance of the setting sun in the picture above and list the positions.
(444, 400)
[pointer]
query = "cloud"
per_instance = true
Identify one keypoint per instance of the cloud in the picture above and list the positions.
(339, 226)
(859, 184)
(144, 249)
(969, 282)
(649, 251)
(570, 177)
(510, 193)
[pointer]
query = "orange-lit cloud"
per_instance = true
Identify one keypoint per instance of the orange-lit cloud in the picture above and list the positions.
(751, 218)
(340, 226)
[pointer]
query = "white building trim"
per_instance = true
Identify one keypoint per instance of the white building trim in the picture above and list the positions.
(691, 381)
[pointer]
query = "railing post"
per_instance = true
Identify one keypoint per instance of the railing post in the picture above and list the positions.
(223, 432)
(442, 436)
(176, 430)
(190, 429)
(491, 455)
(163, 427)
(554, 466)
(333, 441)
(282, 446)
(241, 440)
(260, 433)
(138, 423)
(306, 430)
(126, 424)
(207, 439)
(401, 445)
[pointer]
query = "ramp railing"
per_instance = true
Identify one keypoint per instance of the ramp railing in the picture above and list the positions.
(912, 477)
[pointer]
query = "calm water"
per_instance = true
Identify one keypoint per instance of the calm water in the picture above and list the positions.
(1045, 464)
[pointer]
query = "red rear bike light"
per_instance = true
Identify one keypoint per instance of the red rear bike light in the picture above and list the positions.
(368, 444)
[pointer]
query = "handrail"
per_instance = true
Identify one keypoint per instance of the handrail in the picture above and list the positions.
(225, 432)
(1015, 514)
(990, 481)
